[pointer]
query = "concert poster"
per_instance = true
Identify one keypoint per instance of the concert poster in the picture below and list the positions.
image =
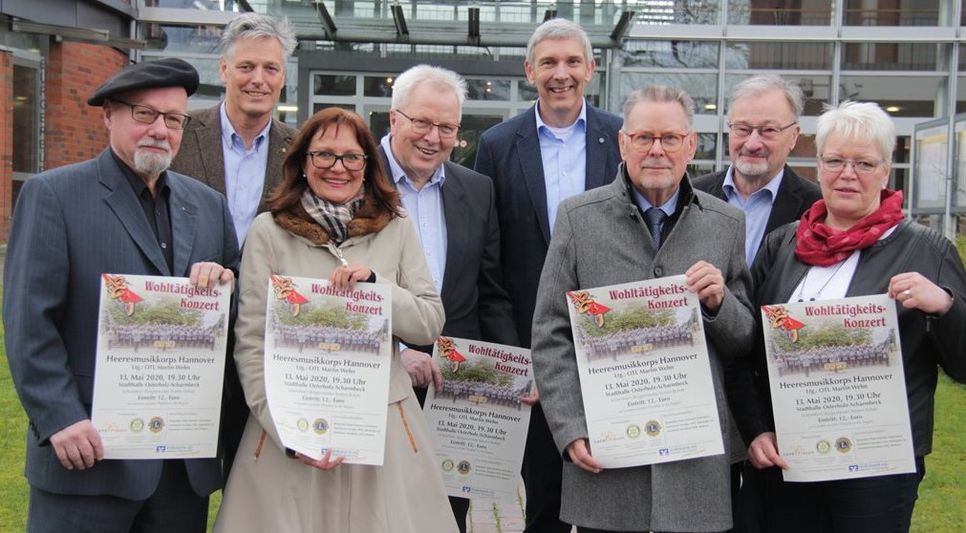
(645, 375)
(160, 364)
(477, 423)
(838, 388)
(327, 366)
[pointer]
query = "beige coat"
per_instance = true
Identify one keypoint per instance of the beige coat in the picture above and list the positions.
(267, 490)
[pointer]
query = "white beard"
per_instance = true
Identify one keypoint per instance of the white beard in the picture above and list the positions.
(752, 170)
(150, 163)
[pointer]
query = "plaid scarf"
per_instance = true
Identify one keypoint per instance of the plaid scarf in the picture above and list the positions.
(334, 218)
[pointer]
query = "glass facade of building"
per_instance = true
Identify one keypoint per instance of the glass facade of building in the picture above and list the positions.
(903, 54)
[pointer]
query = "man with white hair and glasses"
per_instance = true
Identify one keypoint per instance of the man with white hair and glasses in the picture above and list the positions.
(454, 211)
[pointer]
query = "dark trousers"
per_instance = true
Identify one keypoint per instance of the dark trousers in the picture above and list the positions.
(174, 507)
(746, 505)
(460, 506)
(542, 471)
(880, 504)
(592, 530)
(234, 413)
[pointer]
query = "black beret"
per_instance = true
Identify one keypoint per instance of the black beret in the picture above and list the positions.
(168, 72)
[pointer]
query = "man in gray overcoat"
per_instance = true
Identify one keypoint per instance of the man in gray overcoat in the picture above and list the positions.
(649, 223)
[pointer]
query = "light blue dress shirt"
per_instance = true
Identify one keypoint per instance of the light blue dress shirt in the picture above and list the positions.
(669, 207)
(244, 174)
(757, 209)
(564, 153)
(425, 208)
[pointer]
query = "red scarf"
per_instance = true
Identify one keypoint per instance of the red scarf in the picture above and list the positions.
(820, 245)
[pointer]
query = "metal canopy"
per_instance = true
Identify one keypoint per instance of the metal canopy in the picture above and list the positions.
(471, 31)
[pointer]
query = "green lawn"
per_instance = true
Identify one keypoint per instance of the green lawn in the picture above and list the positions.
(942, 495)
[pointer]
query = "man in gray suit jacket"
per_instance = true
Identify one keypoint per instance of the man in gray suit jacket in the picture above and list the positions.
(237, 149)
(601, 238)
(118, 213)
(454, 211)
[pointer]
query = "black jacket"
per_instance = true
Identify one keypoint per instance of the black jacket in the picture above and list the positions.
(927, 342)
(795, 195)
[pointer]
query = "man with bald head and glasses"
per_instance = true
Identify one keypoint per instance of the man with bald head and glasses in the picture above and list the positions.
(454, 210)
(648, 223)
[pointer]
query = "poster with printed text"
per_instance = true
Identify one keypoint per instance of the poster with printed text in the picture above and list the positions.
(327, 362)
(838, 388)
(160, 367)
(644, 371)
(477, 421)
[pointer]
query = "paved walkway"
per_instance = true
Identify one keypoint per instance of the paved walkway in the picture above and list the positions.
(497, 517)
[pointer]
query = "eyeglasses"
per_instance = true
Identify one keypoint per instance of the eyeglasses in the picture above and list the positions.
(670, 142)
(147, 115)
(740, 130)
(423, 126)
(325, 160)
(861, 167)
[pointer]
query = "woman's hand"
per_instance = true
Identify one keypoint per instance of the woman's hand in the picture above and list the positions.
(325, 463)
(346, 276)
(763, 452)
(914, 291)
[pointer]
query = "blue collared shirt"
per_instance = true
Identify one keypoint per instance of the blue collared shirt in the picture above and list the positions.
(669, 207)
(244, 174)
(425, 208)
(564, 153)
(757, 209)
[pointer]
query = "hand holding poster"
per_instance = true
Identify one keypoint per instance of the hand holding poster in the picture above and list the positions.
(327, 361)
(160, 364)
(477, 422)
(838, 388)
(644, 372)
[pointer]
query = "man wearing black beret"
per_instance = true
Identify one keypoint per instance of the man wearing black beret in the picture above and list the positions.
(121, 212)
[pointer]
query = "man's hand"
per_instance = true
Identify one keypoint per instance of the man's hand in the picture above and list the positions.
(205, 275)
(78, 445)
(533, 397)
(580, 455)
(421, 367)
(763, 452)
(705, 280)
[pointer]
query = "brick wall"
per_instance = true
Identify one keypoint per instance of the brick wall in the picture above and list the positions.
(75, 130)
(6, 142)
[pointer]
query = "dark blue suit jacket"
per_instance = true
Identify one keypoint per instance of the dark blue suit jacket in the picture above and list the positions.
(72, 224)
(509, 153)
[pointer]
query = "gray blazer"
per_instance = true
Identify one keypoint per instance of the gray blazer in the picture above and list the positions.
(72, 224)
(600, 239)
(202, 155)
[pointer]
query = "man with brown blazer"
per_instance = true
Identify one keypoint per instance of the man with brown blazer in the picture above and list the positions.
(255, 48)
(237, 149)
